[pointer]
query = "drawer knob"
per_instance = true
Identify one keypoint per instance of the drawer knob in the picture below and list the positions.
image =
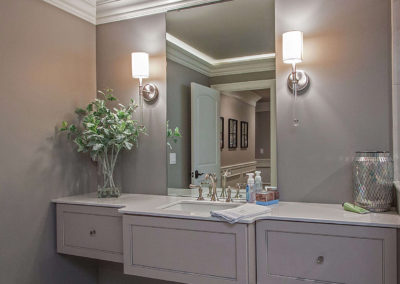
(320, 259)
(92, 232)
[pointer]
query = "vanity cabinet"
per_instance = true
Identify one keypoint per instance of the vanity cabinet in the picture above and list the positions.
(300, 252)
(90, 231)
(189, 251)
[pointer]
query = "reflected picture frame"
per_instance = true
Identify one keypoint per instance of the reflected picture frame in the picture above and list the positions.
(244, 134)
(232, 133)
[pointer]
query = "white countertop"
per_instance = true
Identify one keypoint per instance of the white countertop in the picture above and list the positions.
(149, 205)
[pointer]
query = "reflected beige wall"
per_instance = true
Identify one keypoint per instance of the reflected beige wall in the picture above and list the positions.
(263, 135)
(241, 111)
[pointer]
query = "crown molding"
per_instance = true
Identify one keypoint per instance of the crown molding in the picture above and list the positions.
(107, 11)
(191, 61)
(181, 56)
(84, 9)
(118, 10)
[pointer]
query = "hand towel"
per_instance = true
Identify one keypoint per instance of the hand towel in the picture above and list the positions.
(244, 211)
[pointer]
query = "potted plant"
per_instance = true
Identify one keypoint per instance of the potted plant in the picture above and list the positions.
(103, 133)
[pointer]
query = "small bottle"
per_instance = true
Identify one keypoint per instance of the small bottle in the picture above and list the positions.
(258, 182)
(250, 192)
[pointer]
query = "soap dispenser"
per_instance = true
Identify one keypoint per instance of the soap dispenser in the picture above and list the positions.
(250, 193)
(258, 182)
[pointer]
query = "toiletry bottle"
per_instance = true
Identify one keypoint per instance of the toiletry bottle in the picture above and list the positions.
(250, 193)
(258, 182)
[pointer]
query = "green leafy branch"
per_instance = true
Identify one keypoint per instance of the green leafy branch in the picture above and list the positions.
(173, 135)
(104, 132)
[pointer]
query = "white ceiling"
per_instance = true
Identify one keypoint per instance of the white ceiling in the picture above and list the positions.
(225, 30)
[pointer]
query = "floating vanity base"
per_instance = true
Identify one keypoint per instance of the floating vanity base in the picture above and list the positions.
(297, 243)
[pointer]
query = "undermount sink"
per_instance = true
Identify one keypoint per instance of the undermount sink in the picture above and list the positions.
(197, 207)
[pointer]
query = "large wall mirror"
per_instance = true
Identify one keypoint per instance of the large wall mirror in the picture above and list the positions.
(221, 92)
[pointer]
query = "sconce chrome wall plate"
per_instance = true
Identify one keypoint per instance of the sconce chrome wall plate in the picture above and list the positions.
(150, 93)
(302, 83)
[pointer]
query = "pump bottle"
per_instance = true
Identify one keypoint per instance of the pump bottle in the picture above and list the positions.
(250, 192)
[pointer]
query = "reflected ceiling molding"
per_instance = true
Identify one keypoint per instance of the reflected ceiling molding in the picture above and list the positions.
(84, 9)
(188, 56)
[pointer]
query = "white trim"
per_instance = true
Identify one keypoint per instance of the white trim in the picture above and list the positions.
(246, 86)
(117, 10)
(239, 165)
(197, 53)
(84, 9)
(189, 49)
(395, 20)
(180, 56)
(107, 11)
(243, 67)
(188, 56)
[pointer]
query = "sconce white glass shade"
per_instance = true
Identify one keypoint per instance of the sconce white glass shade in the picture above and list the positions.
(140, 65)
(292, 45)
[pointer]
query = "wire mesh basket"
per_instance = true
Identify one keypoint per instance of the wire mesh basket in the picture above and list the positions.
(373, 181)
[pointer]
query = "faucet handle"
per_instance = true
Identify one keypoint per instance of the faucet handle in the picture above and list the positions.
(229, 198)
(200, 189)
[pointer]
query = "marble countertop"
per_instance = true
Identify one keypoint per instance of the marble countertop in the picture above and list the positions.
(150, 205)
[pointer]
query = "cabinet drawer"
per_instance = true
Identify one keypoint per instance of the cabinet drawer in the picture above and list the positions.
(189, 251)
(295, 252)
(89, 231)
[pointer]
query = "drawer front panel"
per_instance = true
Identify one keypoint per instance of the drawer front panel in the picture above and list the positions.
(93, 231)
(324, 258)
(298, 252)
(90, 231)
(185, 251)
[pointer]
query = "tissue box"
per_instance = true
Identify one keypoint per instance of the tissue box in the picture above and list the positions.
(267, 197)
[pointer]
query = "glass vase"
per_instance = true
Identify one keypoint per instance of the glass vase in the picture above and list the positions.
(107, 164)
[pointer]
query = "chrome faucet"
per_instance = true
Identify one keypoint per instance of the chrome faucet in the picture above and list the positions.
(224, 177)
(200, 189)
(229, 197)
(213, 179)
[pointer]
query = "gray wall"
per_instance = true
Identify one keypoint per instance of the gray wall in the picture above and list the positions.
(142, 170)
(179, 78)
(263, 135)
(241, 111)
(47, 69)
(348, 106)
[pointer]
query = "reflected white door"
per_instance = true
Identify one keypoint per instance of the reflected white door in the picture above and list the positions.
(205, 112)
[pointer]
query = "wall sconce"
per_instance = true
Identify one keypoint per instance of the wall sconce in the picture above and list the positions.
(298, 81)
(140, 70)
